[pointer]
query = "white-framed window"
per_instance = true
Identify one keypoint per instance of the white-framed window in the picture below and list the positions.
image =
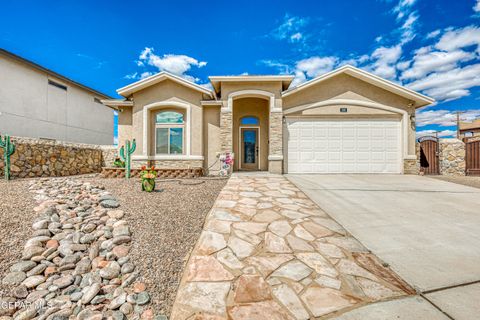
(169, 132)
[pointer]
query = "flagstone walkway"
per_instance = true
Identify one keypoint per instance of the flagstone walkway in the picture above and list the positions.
(268, 252)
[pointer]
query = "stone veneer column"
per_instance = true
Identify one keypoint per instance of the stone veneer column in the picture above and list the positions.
(226, 134)
(275, 157)
(411, 166)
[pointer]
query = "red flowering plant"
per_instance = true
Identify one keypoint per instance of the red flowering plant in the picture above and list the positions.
(148, 173)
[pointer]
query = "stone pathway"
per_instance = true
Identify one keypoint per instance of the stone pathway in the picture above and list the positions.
(76, 264)
(268, 252)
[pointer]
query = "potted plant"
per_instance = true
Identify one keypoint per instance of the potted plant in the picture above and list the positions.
(148, 176)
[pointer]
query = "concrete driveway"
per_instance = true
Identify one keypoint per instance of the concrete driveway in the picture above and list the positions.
(426, 229)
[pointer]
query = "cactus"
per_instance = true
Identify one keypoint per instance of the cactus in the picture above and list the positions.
(8, 150)
(125, 154)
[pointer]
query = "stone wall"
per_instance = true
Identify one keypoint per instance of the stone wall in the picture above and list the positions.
(51, 158)
(452, 157)
(109, 153)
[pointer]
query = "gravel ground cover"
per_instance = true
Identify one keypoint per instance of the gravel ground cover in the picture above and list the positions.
(470, 181)
(165, 225)
(16, 216)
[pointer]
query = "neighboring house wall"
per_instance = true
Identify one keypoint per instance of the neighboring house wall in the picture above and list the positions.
(31, 107)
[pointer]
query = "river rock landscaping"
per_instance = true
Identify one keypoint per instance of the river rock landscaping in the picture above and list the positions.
(90, 248)
(76, 261)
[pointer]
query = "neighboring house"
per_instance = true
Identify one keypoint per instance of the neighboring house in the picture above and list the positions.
(469, 129)
(39, 103)
(346, 121)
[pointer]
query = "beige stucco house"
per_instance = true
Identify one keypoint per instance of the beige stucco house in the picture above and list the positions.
(37, 102)
(469, 129)
(345, 121)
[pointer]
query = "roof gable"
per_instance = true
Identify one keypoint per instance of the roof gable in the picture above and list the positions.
(419, 99)
(284, 79)
(156, 78)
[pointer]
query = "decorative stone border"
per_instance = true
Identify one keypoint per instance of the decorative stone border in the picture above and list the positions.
(161, 173)
(77, 263)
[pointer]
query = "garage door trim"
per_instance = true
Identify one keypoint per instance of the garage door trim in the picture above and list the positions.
(399, 128)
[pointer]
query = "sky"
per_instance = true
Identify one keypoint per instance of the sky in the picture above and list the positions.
(431, 46)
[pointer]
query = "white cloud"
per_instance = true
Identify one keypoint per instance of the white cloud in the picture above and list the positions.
(403, 7)
(173, 63)
(476, 7)
(433, 34)
(313, 67)
(459, 38)
(408, 28)
(426, 61)
(449, 85)
(282, 68)
(444, 118)
(440, 134)
(440, 70)
(296, 37)
(299, 79)
(132, 76)
(146, 74)
(291, 28)
(385, 60)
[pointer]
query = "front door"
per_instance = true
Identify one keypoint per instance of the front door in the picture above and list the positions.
(249, 148)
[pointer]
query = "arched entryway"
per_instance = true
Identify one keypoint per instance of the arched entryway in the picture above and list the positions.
(250, 133)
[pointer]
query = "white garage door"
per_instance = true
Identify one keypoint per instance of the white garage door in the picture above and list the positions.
(343, 146)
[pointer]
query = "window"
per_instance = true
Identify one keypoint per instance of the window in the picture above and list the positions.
(169, 129)
(252, 121)
(58, 85)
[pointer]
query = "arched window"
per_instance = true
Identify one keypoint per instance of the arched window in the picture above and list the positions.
(249, 120)
(169, 131)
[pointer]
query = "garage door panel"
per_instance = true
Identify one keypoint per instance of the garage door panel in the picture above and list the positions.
(334, 156)
(335, 146)
(321, 156)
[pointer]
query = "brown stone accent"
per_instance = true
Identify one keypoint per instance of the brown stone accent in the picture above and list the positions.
(411, 166)
(161, 173)
(276, 134)
(226, 137)
(168, 164)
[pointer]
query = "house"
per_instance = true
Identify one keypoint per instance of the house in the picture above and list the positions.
(39, 103)
(345, 121)
(469, 129)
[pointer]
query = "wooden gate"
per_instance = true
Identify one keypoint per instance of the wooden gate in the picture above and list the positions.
(429, 163)
(472, 157)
